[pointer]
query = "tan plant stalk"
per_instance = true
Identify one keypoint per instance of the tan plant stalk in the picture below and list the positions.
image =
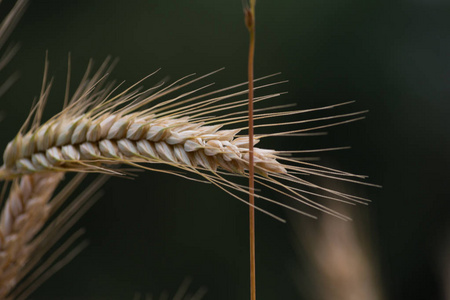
(249, 13)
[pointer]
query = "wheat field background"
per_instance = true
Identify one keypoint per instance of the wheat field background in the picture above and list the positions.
(148, 234)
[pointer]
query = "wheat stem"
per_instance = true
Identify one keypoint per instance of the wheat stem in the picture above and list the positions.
(250, 23)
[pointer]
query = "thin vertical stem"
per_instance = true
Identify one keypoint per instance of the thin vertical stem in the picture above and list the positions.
(250, 23)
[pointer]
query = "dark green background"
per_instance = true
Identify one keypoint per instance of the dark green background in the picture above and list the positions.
(147, 234)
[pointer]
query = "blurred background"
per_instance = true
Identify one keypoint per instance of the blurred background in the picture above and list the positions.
(148, 234)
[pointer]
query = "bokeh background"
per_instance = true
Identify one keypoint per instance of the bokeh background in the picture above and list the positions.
(148, 234)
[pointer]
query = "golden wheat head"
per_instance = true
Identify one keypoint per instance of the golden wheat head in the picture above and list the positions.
(100, 129)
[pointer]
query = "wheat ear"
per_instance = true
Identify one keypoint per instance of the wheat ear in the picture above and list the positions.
(79, 139)
(97, 130)
(26, 234)
(23, 215)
